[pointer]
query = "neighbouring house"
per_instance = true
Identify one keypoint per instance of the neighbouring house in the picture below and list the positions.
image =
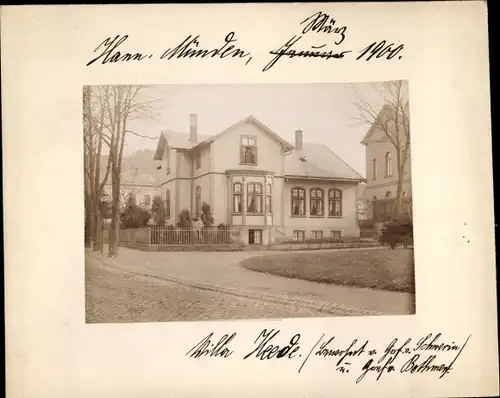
(382, 173)
(257, 182)
(143, 187)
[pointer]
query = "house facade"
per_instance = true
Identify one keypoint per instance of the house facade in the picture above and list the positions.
(382, 172)
(142, 187)
(259, 183)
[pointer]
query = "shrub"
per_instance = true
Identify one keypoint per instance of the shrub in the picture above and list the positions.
(396, 230)
(223, 233)
(158, 210)
(206, 215)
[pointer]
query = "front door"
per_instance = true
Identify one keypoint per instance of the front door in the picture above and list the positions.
(254, 236)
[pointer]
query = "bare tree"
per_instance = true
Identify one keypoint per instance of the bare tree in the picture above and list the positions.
(93, 116)
(119, 104)
(387, 110)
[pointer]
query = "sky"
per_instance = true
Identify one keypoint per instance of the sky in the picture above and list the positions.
(325, 112)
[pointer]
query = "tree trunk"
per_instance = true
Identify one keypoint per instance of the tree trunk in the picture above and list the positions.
(399, 189)
(114, 231)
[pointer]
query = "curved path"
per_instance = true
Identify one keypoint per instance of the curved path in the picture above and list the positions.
(220, 272)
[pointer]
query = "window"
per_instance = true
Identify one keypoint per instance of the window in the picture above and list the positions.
(237, 197)
(254, 236)
(336, 234)
(317, 204)
(248, 153)
(254, 198)
(374, 169)
(269, 193)
(298, 236)
(167, 161)
(198, 161)
(335, 202)
(388, 194)
(388, 164)
(167, 204)
(374, 198)
(317, 234)
(147, 200)
(198, 201)
(298, 202)
(404, 194)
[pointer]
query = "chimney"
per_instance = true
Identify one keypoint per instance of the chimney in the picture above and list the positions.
(299, 139)
(193, 127)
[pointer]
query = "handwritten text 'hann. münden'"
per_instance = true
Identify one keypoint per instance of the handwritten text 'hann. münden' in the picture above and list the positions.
(358, 358)
(328, 35)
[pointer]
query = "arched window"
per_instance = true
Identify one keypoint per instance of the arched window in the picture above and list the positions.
(316, 202)
(388, 194)
(237, 197)
(198, 201)
(388, 164)
(298, 201)
(374, 169)
(334, 202)
(269, 195)
(404, 194)
(254, 198)
(167, 204)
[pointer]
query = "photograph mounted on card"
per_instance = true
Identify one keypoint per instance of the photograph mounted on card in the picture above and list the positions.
(247, 221)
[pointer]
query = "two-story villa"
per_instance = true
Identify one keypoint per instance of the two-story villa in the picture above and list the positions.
(256, 181)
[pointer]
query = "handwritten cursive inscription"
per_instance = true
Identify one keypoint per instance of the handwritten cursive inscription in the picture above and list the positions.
(108, 52)
(267, 350)
(322, 23)
(386, 361)
(428, 354)
(321, 37)
(190, 48)
(286, 50)
(206, 348)
(420, 363)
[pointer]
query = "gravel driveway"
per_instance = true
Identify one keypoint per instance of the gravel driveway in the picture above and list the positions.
(117, 296)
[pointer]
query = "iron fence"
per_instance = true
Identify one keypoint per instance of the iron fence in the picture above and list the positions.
(169, 235)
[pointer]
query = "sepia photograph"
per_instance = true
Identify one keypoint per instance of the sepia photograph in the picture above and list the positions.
(247, 201)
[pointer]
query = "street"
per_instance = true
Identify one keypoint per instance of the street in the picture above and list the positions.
(115, 296)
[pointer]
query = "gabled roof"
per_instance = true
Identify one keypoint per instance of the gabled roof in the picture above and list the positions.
(318, 161)
(386, 109)
(176, 140)
(181, 140)
(249, 119)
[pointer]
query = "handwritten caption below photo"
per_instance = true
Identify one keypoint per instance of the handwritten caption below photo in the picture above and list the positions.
(428, 354)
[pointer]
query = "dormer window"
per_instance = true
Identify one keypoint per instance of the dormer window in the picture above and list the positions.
(248, 150)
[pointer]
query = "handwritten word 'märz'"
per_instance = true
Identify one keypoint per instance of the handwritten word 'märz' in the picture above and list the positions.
(320, 22)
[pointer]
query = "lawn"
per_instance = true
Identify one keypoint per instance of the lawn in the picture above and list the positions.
(380, 269)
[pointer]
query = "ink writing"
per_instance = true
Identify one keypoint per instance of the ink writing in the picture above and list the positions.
(206, 348)
(267, 349)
